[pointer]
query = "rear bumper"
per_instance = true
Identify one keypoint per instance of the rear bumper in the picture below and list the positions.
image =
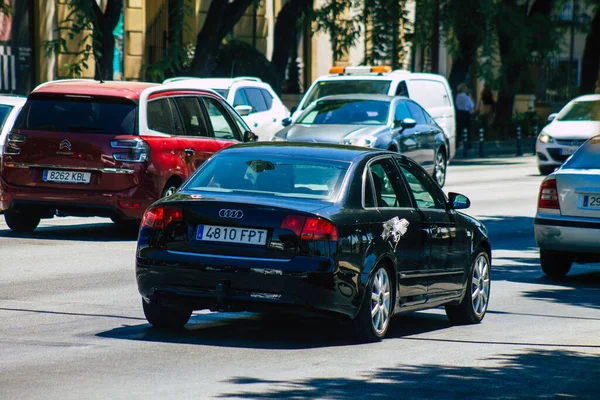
(48, 201)
(226, 284)
(573, 236)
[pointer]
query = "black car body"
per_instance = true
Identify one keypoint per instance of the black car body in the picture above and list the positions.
(350, 221)
(394, 123)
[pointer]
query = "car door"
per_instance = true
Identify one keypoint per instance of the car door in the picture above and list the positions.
(386, 194)
(406, 138)
(427, 135)
(446, 248)
(261, 121)
(240, 99)
(272, 120)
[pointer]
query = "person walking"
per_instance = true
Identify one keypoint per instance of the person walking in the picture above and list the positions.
(464, 108)
(486, 106)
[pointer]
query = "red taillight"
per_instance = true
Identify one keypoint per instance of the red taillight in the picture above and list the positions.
(159, 217)
(548, 195)
(310, 228)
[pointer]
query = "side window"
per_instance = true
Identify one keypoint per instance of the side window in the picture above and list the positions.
(222, 125)
(191, 116)
(402, 89)
(257, 101)
(388, 189)
(240, 98)
(401, 112)
(160, 116)
(425, 191)
(416, 112)
(268, 98)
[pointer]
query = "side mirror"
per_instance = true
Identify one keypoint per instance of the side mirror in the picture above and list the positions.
(406, 123)
(250, 137)
(458, 201)
(551, 117)
(286, 121)
(243, 110)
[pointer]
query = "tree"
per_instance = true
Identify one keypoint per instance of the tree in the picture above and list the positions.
(388, 24)
(339, 20)
(590, 63)
(92, 29)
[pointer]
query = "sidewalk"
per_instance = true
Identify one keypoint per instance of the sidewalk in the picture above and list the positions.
(496, 148)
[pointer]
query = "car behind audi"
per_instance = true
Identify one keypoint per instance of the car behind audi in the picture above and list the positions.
(346, 231)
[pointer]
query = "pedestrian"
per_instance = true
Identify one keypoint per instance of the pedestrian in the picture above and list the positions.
(486, 106)
(464, 108)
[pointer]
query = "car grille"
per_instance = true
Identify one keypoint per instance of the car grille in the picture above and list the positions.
(571, 142)
(556, 156)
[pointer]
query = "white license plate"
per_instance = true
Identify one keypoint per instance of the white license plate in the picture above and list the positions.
(227, 234)
(66, 176)
(590, 201)
(567, 151)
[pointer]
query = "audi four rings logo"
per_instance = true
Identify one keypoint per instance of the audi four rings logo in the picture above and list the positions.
(235, 214)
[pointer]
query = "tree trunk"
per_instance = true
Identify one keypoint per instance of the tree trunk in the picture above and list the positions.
(220, 19)
(590, 63)
(105, 24)
(459, 71)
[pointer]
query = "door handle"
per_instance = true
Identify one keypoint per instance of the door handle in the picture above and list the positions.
(189, 151)
(274, 119)
(256, 124)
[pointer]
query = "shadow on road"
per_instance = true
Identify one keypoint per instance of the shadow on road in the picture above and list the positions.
(466, 162)
(530, 374)
(103, 232)
(273, 332)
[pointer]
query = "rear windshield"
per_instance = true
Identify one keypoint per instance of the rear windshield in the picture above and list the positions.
(350, 86)
(79, 114)
(222, 92)
(271, 175)
(587, 157)
(4, 111)
(581, 111)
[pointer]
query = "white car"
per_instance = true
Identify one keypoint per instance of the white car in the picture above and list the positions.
(10, 105)
(431, 91)
(578, 121)
(252, 98)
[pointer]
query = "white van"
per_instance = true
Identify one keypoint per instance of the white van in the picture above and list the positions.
(431, 91)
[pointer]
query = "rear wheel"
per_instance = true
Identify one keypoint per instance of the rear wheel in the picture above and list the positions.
(546, 169)
(474, 304)
(555, 265)
(439, 171)
(21, 222)
(373, 319)
(170, 188)
(163, 317)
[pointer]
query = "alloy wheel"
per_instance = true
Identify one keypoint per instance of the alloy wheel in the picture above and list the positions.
(480, 286)
(440, 169)
(380, 301)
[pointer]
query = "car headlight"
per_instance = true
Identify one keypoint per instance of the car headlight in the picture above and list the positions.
(365, 141)
(545, 138)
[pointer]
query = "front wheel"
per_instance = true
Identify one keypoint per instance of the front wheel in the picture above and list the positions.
(439, 171)
(555, 265)
(474, 304)
(546, 169)
(163, 317)
(21, 222)
(373, 319)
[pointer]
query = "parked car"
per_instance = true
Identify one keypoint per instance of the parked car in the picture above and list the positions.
(567, 221)
(377, 121)
(10, 106)
(578, 121)
(252, 98)
(353, 232)
(431, 91)
(109, 149)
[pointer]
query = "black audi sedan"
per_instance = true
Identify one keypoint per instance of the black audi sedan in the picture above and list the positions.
(345, 231)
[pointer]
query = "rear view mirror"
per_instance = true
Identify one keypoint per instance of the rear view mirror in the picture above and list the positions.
(551, 117)
(250, 137)
(458, 201)
(243, 110)
(286, 121)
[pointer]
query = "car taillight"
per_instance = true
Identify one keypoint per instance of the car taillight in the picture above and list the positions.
(311, 228)
(548, 195)
(13, 143)
(159, 217)
(137, 150)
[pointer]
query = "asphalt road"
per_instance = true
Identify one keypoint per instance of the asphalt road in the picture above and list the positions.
(72, 326)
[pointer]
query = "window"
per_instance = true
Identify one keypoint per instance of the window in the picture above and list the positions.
(240, 98)
(425, 191)
(346, 86)
(387, 189)
(221, 124)
(191, 115)
(402, 89)
(350, 112)
(581, 111)
(587, 157)
(268, 98)
(401, 112)
(257, 101)
(4, 111)
(160, 118)
(416, 112)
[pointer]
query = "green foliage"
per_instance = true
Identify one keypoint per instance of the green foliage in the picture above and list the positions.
(339, 19)
(5, 8)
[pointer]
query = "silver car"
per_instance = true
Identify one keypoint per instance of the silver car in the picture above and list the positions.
(567, 222)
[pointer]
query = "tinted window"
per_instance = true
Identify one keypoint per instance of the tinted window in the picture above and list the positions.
(587, 157)
(272, 175)
(416, 112)
(111, 116)
(402, 89)
(221, 124)
(350, 112)
(387, 186)
(240, 98)
(257, 101)
(191, 116)
(581, 111)
(401, 112)
(4, 111)
(350, 86)
(268, 98)
(425, 191)
(160, 118)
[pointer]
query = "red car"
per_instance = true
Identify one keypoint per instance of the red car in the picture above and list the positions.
(108, 149)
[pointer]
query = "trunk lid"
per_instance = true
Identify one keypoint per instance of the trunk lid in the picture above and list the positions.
(579, 192)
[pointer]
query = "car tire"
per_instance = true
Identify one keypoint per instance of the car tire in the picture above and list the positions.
(170, 189)
(21, 222)
(166, 318)
(440, 168)
(373, 319)
(474, 303)
(555, 265)
(546, 169)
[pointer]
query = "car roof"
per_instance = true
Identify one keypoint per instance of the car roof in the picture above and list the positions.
(588, 97)
(327, 151)
(88, 87)
(396, 75)
(217, 83)
(12, 100)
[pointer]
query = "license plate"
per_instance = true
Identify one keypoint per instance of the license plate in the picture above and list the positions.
(66, 176)
(590, 201)
(567, 151)
(227, 234)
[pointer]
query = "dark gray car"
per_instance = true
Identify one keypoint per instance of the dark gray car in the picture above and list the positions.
(376, 121)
